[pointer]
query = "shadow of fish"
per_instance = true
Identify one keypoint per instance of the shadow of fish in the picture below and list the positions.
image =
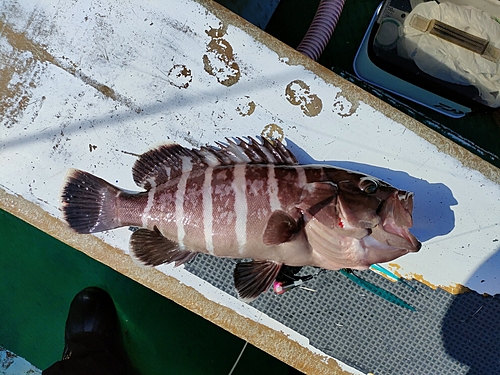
(246, 199)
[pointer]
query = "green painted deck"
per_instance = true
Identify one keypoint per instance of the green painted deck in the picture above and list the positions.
(41, 275)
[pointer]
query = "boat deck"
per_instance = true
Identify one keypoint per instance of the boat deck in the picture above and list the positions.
(91, 85)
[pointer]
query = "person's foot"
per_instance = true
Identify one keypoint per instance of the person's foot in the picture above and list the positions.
(92, 314)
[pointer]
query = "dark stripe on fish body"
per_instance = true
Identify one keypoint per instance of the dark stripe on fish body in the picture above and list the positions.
(259, 195)
(130, 208)
(162, 213)
(289, 184)
(223, 209)
(315, 173)
(193, 218)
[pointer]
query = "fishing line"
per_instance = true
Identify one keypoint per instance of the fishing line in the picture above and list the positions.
(238, 359)
(243, 349)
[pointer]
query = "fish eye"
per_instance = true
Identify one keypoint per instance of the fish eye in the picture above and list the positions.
(368, 185)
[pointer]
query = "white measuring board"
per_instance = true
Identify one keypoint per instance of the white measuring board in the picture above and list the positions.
(91, 84)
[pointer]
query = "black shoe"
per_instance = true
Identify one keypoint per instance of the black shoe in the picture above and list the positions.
(92, 317)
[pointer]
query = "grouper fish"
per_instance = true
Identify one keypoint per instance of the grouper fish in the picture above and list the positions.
(246, 199)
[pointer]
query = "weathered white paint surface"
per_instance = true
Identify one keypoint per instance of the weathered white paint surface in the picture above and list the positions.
(11, 364)
(102, 81)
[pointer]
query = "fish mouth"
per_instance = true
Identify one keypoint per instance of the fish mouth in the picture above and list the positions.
(396, 219)
(386, 220)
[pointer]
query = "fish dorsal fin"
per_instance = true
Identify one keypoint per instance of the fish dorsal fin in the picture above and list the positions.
(157, 166)
(253, 278)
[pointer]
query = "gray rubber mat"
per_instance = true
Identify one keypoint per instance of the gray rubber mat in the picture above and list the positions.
(447, 334)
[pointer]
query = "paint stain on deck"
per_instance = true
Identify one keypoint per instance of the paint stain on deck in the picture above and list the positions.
(343, 106)
(273, 131)
(19, 75)
(454, 288)
(219, 59)
(180, 76)
(25, 63)
(245, 107)
(299, 93)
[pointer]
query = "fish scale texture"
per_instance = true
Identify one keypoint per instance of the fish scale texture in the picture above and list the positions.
(447, 334)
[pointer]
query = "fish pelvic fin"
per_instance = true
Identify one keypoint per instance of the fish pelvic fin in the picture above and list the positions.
(151, 248)
(89, 202)
(281, 227)
(253, 278)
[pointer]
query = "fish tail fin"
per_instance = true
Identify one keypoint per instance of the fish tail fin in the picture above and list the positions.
(89, 202)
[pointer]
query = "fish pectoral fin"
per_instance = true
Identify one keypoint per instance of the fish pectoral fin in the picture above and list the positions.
(281, 228)
(255, 277)
(152, 248)
(316, 195)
